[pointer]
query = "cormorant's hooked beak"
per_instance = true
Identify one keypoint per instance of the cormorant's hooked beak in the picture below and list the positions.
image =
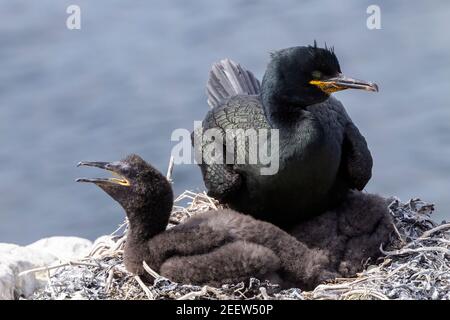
(114, 167)
(342, 82)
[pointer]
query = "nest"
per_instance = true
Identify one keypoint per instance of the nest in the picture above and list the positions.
(415, 265)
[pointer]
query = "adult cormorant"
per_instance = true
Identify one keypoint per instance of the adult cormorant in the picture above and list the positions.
(322, 154)
(224, 246)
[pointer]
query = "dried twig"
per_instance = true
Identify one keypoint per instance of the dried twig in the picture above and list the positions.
(264, 293)
(109, 279)
(201, 293)
(48, 268)
(170, 169)
(150, 271)
(407, 250)
(434, 230)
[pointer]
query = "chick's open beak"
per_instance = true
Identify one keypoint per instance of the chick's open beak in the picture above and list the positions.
(342, 82)
(110, 166)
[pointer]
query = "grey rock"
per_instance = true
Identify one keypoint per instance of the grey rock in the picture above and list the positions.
(15, 259)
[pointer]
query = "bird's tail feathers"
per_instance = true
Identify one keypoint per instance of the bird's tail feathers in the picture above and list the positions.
(228, 78)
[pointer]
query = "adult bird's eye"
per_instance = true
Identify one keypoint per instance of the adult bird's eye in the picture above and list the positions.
(317, 74)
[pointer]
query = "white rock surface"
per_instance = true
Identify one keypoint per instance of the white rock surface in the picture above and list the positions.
(15, 259)
(63, 247)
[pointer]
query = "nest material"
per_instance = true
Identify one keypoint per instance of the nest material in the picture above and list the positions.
(415, 265)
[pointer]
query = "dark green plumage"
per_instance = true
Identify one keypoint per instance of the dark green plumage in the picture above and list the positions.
(322, 153)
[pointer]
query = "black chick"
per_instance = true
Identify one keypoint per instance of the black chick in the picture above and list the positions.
(322, 154)
(213, 247)
(350, 234)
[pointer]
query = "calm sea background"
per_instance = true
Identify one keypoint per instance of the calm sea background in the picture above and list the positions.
(137, 69)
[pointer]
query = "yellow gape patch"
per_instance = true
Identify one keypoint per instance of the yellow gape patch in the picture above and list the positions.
(327, 87)
(119, 180)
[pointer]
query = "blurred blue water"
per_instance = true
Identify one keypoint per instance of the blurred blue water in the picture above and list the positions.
(136, 71)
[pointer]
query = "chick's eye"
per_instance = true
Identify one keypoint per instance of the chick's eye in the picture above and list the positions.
(317, 74)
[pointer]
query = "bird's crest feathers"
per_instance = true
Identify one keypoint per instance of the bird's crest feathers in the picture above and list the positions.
(323, 56)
